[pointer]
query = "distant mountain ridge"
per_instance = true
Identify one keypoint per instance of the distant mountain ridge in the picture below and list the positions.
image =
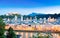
(40, 15)
(34, 14)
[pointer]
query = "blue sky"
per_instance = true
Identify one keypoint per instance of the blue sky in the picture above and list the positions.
(29, 6)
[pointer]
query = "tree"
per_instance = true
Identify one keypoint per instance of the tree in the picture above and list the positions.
(11, 33)
(2, 28)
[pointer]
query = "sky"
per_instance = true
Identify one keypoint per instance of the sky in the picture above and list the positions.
(25, 7)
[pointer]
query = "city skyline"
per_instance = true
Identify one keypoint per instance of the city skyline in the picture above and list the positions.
(25, 7)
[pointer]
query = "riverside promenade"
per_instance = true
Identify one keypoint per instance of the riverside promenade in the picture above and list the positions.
(26, 31)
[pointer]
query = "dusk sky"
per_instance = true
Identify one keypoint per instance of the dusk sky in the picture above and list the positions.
(28, 6)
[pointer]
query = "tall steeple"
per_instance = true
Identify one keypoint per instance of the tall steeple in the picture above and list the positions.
(21, 17)
(15, 19)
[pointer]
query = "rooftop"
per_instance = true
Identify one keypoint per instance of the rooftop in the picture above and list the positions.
(52, 28)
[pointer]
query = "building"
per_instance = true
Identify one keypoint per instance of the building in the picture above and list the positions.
(29, 31)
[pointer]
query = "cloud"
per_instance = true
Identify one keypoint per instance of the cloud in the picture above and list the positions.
(25, 11)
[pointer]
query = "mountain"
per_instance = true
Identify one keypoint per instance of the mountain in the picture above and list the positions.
(34, 14)
(39, 15)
